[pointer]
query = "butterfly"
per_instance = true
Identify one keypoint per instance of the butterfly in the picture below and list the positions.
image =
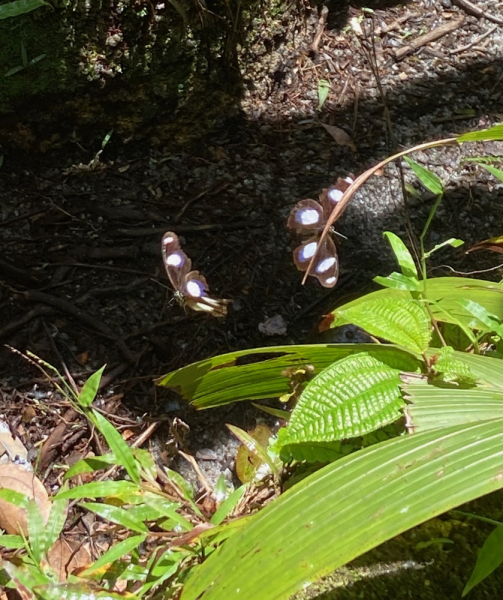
(190, 287)
(308, 218)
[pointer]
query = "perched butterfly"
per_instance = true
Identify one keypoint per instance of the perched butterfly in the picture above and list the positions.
(191, 288)
(308, 218)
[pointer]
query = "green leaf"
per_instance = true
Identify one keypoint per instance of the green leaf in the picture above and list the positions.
(447, 293)
(483, 317)
(24, 55)
(11, 542)
(16, 498)
(311, 452)
(430, 181)
(116, 552)
(454, 242)
(354, 396)
(400, 321)
(90, 465)
(20, 7)
(36, 531)
(451, 369)
(349, 507)
(484, 135)
(98, 489)
(56, 521)
(275, 412)
(146, 462)
(219, 380)
(90, 389)
(398, 281)
(14, 70)
(118, 446)
(489, 558)
(323, 90)
(228, 505)
(402, 254)
(116, 515)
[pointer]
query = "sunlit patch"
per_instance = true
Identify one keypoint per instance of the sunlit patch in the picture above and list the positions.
(307, 217)
(175, 259)
(308, 251)
(335, 195)
(194, 288)
(325, 264)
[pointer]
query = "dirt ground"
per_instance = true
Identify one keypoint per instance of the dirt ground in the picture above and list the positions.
(82, 282)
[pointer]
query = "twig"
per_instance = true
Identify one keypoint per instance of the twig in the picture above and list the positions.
(206, 192)
(474, 10)
(473, 42)
(319, 30)
(198, 471)
(431, 36)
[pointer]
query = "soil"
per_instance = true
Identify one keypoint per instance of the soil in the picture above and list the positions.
(82, 280)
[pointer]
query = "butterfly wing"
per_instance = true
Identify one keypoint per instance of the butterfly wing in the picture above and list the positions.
(330, 197)
(177, 263)
(307, 216)
(195, 294)
(326, 265)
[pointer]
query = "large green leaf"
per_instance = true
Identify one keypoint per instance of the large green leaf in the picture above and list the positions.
(447, 292)
(352, 397)
(438, 407)
(20, 7)
(222, 379)
(349, 507)
(399, 320)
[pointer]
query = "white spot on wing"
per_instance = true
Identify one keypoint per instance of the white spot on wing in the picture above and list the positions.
(330, 280)
(325, 264)
(335, 195)
(308, 251)
(307, 216)
(194, 288)
(169, 240)
(174, 260)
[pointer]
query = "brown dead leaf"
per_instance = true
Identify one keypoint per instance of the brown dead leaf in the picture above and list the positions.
(67, 555)
(340, 136)
(17, 478)
(10, 447)
(29, 413)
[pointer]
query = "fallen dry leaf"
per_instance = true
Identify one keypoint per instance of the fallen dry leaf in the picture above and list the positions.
(340, 136)
(67, 555)
(10, 447)
(17, 478)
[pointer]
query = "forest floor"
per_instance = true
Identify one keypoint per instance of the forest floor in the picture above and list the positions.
(83, 282)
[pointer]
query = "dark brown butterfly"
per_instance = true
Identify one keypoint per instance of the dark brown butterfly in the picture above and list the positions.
(308, 218)
(191, 288)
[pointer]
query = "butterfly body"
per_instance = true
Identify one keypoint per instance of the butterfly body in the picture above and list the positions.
(191, 288)
(308, 218)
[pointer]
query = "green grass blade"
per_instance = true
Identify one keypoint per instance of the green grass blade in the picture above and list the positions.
(316, 526)
(115, 553)
(485, 135)
(489, 558)
(36, 531)
(90, 389)
(90, 465)
(56, 521)
(117, 515)
(430, 181)
(118, 446)
(99, 489)
(227, 506)
(11, 542)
